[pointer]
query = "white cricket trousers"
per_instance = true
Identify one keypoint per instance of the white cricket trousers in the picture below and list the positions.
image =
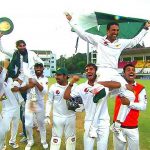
(11, 116)
(2, 132)
(132, 136)
(102, 139)
(29, 116)
(64, 124)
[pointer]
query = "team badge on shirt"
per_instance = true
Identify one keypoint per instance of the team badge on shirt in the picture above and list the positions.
(86, 90)
(57, 92)
(117, 45)
(55, 140)
(105, 43)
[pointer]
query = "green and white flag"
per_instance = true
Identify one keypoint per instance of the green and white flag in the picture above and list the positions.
(96, 23)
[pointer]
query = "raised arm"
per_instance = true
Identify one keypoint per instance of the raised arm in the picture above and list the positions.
(67, 92)
(68, 16)
(3, 50)
(93, 39)
(147, 25)
(129, 43)
(3, 71)
(6, 63)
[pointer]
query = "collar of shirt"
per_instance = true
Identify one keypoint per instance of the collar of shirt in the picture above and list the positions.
(106, 40)
(42, 76)
(134, 84)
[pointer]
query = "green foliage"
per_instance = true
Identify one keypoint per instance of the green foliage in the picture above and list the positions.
(74, 64)
(61, 62)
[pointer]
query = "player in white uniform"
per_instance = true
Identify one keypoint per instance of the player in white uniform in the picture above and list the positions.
(83, 90)
(40, 85)
(2, 133)
(20, 68)
(64, 120)
(2, 129)
(109, 49)
(10, 110)
(23, 60)
(130, 125)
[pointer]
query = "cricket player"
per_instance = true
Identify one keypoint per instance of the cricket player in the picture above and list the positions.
(23, 60)
(83, 90)
(21, 68)
(10, 110)
(2, 133)
(130, 125)
(22, 63)
(40, 85)
(64, 120)
(109, 49)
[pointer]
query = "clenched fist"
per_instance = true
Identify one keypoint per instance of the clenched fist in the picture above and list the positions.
(147, 24)
(68, 16)
(74, 79)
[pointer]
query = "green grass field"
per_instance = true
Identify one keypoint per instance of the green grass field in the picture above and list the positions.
(144, 127)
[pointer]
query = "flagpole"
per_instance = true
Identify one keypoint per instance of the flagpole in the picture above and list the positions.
(87, 52)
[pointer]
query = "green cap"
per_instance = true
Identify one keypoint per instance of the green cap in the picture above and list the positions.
(61, 71)
(38, 64)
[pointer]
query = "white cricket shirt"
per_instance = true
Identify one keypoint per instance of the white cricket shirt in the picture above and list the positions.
(55, 97)
(83, 90)
(39, 94)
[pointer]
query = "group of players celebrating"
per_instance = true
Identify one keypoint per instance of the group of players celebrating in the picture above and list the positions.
(23, 85)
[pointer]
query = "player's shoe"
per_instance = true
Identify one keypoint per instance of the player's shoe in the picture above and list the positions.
(29, 145)
(118, 133)
(99, 92)
(14, 145)
(45, 145)
(93, 132)
(23, 140)
(4, 147)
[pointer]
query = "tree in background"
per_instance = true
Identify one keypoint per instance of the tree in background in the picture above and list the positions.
(74, 64)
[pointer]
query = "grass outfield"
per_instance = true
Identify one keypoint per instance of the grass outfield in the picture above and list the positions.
(144, 127)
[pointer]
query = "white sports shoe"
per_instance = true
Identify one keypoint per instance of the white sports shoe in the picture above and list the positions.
(28, 146)
(118, 133)
(93, 132)
(4, 147)
(45, 145)
(14, 145)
